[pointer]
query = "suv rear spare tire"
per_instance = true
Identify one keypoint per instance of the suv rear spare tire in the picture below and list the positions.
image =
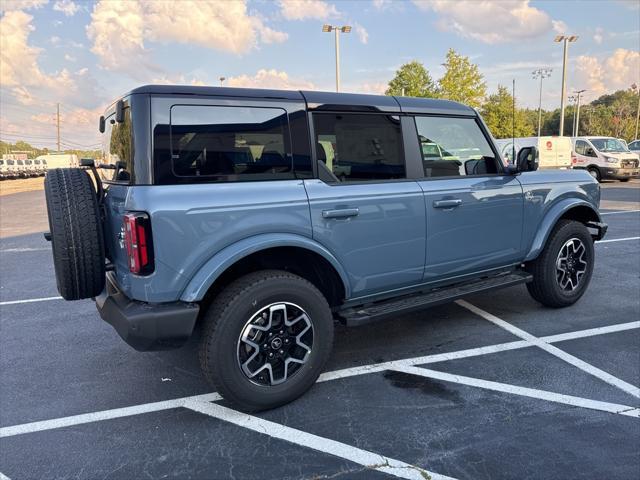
(76, 233)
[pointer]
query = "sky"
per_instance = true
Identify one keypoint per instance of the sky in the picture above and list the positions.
(84, 54)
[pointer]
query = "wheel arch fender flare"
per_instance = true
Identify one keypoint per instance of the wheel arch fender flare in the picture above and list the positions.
(228, 256)
(555, 213)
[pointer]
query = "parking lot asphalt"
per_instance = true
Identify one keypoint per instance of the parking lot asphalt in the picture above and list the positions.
(493, 387)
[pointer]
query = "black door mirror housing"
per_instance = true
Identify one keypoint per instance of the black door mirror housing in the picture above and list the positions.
(527, 159)
(589, 152)
(120, 111)
(101, 125)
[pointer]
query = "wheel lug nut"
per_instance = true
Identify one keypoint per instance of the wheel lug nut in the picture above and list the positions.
(264, 346)
(270, 354)
(270, 334)
(281, 352)
(281, 332)
(286, 340)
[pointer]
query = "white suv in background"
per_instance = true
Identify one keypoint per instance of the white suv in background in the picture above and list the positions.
(605, 157)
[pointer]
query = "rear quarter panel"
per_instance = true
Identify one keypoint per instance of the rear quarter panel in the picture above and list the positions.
(191, 223)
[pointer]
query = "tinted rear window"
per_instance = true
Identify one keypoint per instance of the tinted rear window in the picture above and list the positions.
(222, 144)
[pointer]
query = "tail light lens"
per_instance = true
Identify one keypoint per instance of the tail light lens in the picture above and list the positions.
(138, 240)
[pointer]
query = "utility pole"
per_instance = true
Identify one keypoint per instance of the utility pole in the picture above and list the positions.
(578, 93)
(541, 73)
(337, 30)
(565, 39)
(58, 123)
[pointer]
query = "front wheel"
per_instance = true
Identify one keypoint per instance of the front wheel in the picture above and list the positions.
(267, 337)
(562, 272)
(595, 173)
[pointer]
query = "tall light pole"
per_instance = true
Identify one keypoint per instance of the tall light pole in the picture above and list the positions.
(635, 87)
(578, 93)
(565, 39)
(573, 99)
(344, 29)
(222, 79)
(541, 73)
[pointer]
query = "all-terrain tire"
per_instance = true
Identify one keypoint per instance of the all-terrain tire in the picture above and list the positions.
(545, 287)
(226, 319)
(76, 233)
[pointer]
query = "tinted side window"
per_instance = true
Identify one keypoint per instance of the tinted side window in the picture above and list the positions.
(215, 143)
(359, 147)
(453, 147)
(580, 147)
(117, 148)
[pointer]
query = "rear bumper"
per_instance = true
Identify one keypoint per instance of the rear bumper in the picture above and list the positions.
(620, 173)
(147, 326)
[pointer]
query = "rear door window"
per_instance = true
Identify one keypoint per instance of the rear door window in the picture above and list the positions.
(454, 146)
(117, 149)
(222, 144)
(359, 147)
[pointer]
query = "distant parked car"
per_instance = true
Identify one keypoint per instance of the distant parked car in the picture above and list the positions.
(605, 157)
(634, 146)
(4, 169)
(40, 167)
(21, 169)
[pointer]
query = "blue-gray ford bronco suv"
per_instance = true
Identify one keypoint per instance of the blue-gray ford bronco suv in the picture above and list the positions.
(265, 216)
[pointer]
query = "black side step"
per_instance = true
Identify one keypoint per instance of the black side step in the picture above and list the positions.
(380, 310)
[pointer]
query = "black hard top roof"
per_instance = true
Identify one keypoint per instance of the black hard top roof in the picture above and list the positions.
(319, 100)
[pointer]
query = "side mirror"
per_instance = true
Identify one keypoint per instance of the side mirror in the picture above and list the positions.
(101, 126)
(589, 152)
(120, 111)
(527, 159)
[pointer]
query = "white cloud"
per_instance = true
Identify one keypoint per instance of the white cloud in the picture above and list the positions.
(69, 58)
(598, 36)
(375, 88)
(270, 79)
(10, 5)
(559, 26)
(55, 40)
(68, 7)
(307, 9)
(490, 22)
(120, 30)
(21, 74)
(606, 75)
(362, 33)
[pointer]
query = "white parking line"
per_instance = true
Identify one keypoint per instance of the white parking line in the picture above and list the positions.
(102, 415)
(523, 391)
(21, 250)
(337, 374)
(619, 212)
(362, 457)
(553, 350)
(30, 300)
(3, 476)
(618, 240)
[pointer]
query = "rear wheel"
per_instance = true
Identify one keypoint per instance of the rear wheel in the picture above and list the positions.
(267, 337)
(562, 272)
(624, 179)
(76, 233)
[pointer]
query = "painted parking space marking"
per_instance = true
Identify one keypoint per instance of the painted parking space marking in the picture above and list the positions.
(3, 476)
(102, 415)
(30, 300)
(618, 212)
(522, 391)
(362, 457)
(618, 240)
(553, 350)
(329, 376)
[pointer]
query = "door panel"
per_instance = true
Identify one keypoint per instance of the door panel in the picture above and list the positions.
(473, 224)
(376, 230)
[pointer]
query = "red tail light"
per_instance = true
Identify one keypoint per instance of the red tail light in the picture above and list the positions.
(137, 238)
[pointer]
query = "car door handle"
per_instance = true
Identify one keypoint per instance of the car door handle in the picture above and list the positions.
(452, 203)
(340, 213)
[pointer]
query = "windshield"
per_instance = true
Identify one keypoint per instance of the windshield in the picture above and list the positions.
(20, 162)
(608, 145)
(10, 162)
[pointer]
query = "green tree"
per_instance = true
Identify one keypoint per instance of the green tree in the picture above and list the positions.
(462, 81)
(412, 79)
(498, 113)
